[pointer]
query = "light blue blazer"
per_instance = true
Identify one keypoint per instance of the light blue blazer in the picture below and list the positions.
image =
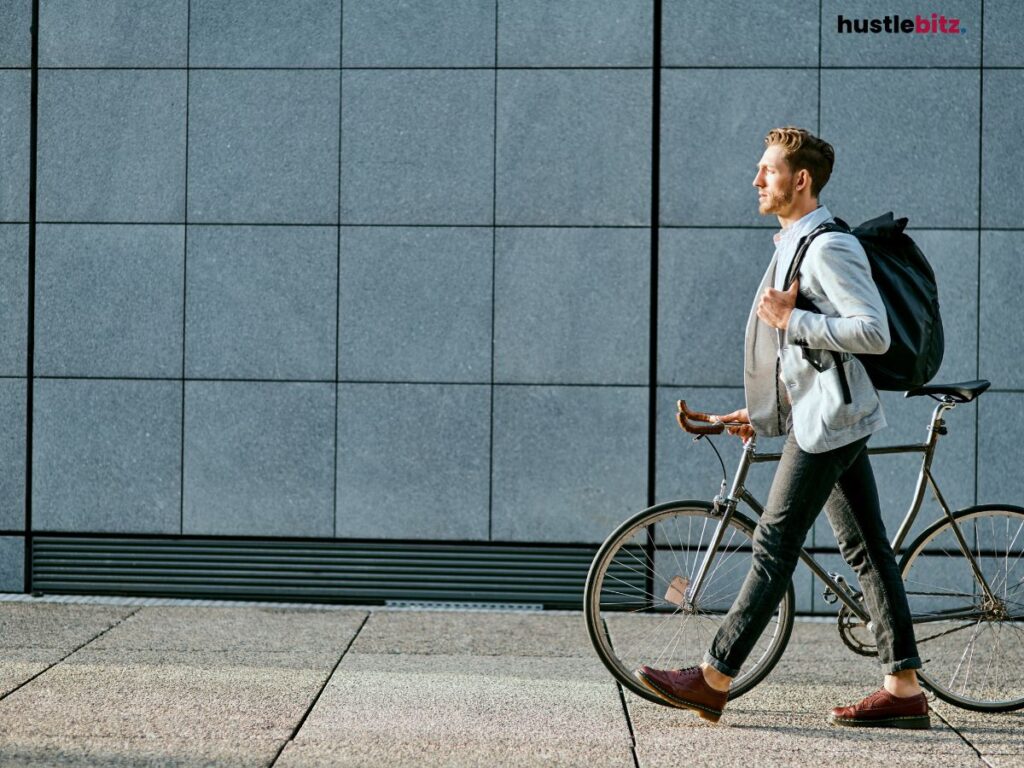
(836, 277)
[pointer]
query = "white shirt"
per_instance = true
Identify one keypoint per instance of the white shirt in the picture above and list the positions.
(786, 242)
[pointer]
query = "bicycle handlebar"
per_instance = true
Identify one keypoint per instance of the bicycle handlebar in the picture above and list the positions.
(686, 417)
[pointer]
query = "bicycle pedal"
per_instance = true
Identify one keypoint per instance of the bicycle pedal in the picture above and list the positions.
(829, 595)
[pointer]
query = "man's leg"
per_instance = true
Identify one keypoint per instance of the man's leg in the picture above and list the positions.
(853, 511)
(802, 484)
(857, 521)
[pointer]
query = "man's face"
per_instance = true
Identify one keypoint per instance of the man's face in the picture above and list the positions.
(774, 181)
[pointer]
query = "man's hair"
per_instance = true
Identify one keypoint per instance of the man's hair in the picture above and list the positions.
(805, 151)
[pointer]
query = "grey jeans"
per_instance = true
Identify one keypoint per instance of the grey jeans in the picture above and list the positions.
(841, 480)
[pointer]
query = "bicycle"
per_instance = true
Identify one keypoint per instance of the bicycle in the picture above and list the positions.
(662, 582)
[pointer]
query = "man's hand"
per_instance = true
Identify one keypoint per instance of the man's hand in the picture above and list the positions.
(742, 416)
(775, 306)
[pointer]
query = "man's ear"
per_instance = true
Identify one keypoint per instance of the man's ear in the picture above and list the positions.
(803, 178)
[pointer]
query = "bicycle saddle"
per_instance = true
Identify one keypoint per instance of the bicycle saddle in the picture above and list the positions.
(964, 392)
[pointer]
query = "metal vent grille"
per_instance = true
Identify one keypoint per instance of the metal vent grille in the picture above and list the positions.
(552, 576)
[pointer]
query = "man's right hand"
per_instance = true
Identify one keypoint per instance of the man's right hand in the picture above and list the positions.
(746, 432)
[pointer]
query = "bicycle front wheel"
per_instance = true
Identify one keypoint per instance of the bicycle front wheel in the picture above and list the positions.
(972, 640)
(633, 601)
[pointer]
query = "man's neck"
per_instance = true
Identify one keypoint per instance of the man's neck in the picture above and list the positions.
(797, 212)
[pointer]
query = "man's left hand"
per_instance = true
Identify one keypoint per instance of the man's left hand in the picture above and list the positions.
(775, 306)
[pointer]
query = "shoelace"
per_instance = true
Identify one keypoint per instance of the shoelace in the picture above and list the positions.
(878, 695)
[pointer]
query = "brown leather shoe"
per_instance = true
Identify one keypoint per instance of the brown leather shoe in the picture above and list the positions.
(684, 688)
(883, 710)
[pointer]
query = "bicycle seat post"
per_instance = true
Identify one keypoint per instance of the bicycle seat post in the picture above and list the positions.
(938, 424)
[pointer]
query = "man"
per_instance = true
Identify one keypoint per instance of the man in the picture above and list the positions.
(791, 387)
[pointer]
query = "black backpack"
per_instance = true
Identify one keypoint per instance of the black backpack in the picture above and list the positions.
(907, 286)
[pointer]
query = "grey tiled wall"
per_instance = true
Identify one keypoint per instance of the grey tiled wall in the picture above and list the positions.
(15, 142)
(384, 270)
(12, 555)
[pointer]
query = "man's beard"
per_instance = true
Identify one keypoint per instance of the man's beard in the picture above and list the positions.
(775, 202)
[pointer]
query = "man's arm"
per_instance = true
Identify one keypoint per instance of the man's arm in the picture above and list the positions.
(840, 269)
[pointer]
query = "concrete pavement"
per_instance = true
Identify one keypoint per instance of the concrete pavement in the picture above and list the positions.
(173, 684)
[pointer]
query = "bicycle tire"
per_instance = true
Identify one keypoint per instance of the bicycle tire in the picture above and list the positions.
(638, 619)
(935, 572)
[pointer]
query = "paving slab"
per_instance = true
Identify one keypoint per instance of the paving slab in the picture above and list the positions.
(529, 710)
(991, 734)
(35, 637)
(24, 751)
(765, 723)
(55, 625)
(199, 662)
(784, 720)
(851, 676)
(21, 664)
(450, 752)
(762, 758)
(211, 628)
(109, 693)
(475, 634)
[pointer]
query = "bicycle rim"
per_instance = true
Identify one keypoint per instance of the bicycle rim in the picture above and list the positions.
(633, 606)
(974, 660)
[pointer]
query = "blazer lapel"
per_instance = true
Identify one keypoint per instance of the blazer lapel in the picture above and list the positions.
(758, 343)
(759, 356)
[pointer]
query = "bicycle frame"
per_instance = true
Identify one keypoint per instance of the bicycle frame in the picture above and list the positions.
(726, 505)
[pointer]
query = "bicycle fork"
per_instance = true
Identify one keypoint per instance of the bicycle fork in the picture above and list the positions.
(724, 506)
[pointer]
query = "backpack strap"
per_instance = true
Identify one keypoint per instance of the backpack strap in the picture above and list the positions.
(802, 302)
(804, 245)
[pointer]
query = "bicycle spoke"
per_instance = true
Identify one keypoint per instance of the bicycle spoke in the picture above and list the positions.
(1015, 626)
(675, 557)
(618, 564)
(724, 588)
(1016, 560)
(630, 595)
(970, 658)
(954, 630)
(678, 638)
(621, 580)
(719, 561)
(642, 560)
(673, 641)
(963, 657)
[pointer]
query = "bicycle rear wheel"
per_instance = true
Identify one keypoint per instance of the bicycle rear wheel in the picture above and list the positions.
(973, 646)
(632, 601)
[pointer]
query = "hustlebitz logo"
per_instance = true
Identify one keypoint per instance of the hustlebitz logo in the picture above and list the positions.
(933, 24)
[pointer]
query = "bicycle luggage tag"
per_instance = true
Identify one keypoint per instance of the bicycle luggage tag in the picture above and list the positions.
(676, 592)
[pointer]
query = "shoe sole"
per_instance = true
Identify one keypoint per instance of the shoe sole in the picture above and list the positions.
(705, 713)
(912, 722)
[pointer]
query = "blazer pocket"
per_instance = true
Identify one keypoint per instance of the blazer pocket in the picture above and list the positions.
(835, 413)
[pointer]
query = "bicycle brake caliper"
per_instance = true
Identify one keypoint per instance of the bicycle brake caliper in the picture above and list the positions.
(718, 503)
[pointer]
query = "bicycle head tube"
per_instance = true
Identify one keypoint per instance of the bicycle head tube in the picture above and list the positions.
(724, 502)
